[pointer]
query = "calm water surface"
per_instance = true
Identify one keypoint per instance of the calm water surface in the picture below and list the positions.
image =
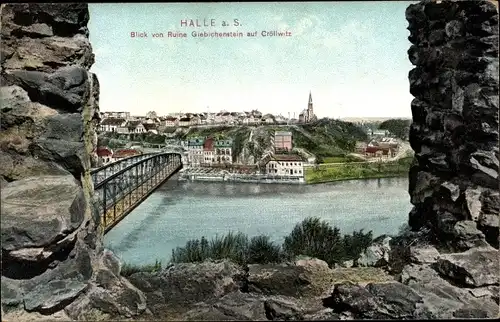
(179, 211)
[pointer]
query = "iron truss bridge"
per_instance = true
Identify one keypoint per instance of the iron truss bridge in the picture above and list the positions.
(121, 186)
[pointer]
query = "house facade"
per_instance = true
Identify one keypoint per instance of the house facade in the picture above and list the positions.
(135, 127)
(150, 127)
(171, 121)
(268, 119)
(104, 156)
(195, 151)
(209, 151)
(184, 121)
(111, 124)
(250, 120)
(282, 141)
(122, 115)
(285, 165)
(380, 152)
(122, 129)
(223, 151)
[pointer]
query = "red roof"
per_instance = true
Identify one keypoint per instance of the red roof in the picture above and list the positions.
(125, 153)
(375, 149)
(208, 145)
(104, 152)
(287, 157)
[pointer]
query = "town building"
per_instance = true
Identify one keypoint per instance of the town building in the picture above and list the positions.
(111, 124)
(122, 129)
(251, 120)
(282, 141)
(290, 165)
(121, 115)
(268, 119)
(171, 121)
(208, 151)
(223, 151)
(379, 152)
(150, 127)
(104, 156)
(185, 121)
(386, 142)
(195, 120)
(195, 151)
(151, 114)
(135, 127)
(360, 147)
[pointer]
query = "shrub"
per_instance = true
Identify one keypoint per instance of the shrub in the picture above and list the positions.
(356, 243)
(315, 238)
(262, 250)
(235, 247)
(312, 237)
(232, 246)
(129, 269)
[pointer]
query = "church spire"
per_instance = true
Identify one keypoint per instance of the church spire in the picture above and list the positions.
(310, 98)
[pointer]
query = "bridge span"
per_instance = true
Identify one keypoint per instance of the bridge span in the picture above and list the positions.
(119, 187)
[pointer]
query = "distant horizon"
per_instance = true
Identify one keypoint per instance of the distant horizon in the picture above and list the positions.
(347, 118)
(337, 50)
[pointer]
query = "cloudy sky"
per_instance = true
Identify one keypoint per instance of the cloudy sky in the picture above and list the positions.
(352, 56)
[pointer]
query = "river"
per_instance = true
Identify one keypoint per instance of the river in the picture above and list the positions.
(183, 210)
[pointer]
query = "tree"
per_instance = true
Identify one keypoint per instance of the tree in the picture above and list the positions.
(399, 127)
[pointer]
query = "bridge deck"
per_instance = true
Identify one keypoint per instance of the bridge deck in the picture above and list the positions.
(130, 201)
(120, 191)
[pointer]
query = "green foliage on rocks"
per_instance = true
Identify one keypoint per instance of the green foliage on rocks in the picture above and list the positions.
(315, 238)
(129, 269)
(234, 246)
(312, 237)
(328, 138)
(239, 137)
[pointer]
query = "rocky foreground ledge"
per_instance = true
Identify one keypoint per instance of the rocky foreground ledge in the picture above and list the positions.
(414, 282)
(431, 285)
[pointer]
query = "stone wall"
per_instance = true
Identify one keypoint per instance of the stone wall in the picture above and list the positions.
(51, 243)
(454, 184)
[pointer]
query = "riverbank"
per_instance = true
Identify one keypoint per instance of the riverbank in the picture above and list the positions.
(243, 178)
(321, 173)
(357, 171)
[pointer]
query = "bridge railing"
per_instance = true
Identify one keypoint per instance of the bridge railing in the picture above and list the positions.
(123, 190)
(100, 174)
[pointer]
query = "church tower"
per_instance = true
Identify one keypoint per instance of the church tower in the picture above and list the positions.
(310, 112)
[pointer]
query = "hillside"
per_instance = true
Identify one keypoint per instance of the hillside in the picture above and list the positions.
(323, 138)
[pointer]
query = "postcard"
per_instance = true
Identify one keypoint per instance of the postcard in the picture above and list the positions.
(250, 161)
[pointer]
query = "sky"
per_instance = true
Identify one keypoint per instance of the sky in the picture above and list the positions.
(351, 56)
